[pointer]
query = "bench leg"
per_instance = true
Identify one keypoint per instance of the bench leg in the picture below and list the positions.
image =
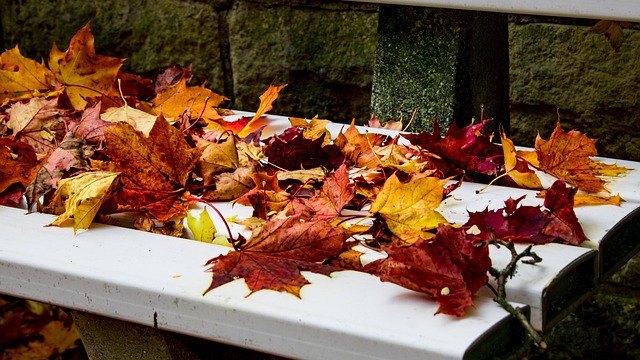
(110, 339)
(443, 63)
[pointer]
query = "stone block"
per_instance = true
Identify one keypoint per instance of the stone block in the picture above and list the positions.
(568, 70)
(324, 53)
(153, 35)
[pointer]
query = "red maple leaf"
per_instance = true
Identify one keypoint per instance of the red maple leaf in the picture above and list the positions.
(448, 267)
(276, 253)
(336, 192)
(292, 151)
(18, 167)
(532, 224)
(465, 148)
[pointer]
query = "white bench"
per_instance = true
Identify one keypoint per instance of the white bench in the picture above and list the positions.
(157, 281)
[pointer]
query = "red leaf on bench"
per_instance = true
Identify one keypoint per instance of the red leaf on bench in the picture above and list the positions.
(276, 253)
(531, 224)
(448, 267)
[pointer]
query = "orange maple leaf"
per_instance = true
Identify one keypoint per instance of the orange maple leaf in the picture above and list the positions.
(334, 195)
(359, 148)
(84, 73)
(566, 155)
(266, 104)
(155, 169)
(246, 125)
(21, 77)
(177, 98)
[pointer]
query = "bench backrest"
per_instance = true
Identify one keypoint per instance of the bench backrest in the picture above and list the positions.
(627, 10)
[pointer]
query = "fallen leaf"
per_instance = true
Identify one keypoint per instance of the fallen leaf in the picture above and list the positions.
(410, 207)
(81, 197)
(566, 155)
(563, 223)
(448, 267)
(516, 167)
(466, 148)
(154, 169)
(216, 158)
(585, 199)
(374, 122)
(38, 123)
(359, 148)
(276, 253)
(231, 185)
(532, 224)
(336, 192)
(138, 119)
(18, 164)
(91, 126)
(202, 227)
(71, 154)
(266, 101)
(21, 77)
(177, 98)
(313, 129)
(292, 151)
(84, 73)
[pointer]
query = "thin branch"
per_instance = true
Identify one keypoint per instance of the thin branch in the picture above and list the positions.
(502, 276)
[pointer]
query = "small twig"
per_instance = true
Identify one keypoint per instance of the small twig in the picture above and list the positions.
(502, 277)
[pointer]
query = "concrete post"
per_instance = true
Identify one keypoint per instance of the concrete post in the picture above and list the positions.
(441, 63)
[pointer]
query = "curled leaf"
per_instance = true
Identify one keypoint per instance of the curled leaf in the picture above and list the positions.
(81, 197)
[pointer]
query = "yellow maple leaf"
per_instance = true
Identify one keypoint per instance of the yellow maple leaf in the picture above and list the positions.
(21, 77)
(137, 118)
(516, 167)
(81, 196)
(313, 129)
(84, 73)
(410, 207)
(202, 227)
(602, 169)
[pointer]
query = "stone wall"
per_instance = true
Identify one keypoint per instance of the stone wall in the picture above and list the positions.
(566, 70)
(324, 50)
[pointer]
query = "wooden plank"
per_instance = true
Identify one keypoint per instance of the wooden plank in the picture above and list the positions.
(628, 10)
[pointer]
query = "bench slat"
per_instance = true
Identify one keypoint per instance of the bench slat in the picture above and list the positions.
(158, 280)
(628, 10)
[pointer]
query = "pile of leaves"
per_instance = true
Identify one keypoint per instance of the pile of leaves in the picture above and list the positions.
(81, 139)
(33, 330)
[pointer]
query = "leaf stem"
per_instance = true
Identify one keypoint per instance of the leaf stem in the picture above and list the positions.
(226, 224)
(413, 116)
